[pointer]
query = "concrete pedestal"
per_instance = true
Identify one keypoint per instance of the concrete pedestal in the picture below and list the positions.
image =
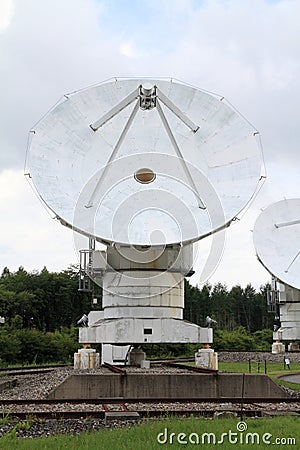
(278, 347)
(292, 347)
(145, 364)
(135, 357)
(206, 358)
(143, 297)
(86, 358)
(289, 312)
(175, 385)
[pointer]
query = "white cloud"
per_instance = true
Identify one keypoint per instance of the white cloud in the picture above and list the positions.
(6, 13)
(128, 49)
(29, 237)
(247, 51)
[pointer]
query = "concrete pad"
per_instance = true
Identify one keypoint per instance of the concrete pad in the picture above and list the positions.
(179, 385)
(293, 378)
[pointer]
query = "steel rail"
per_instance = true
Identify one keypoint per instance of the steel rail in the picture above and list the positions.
(141, 413)
(153, 361)
(32, 368)
(115, 369)
(129, 414)
(191, 368)
(161, 400)
(231, 405)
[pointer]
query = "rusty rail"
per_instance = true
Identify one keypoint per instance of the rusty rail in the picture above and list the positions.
(142, 413)
(229, 405)
(115, 369)
(119, 400)
(191, 368)
(23, 370)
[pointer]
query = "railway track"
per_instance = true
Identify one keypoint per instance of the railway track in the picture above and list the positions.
(143, 407)
(190, 368)
(43, 415)
(23, 370)
(118, 400)
(171, 363)
(43, 408)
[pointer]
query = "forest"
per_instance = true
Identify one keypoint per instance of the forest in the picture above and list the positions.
(41, 310)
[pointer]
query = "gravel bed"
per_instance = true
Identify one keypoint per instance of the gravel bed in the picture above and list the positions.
(35, 386)
(208, 406)
(52, 427)
(38, 386)
(32, 408)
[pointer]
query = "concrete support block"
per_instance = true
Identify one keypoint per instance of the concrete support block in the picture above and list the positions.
(206, 358)
(135, 357)
(278, 347)
(292, 347)
(145, 364)
(86, 358)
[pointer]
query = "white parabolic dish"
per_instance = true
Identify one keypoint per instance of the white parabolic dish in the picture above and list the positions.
(116, 170)
(276, 238)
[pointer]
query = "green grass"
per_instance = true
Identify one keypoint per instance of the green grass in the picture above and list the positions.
(294, 386)
(32, 365)
(144, 437)
(273, 368)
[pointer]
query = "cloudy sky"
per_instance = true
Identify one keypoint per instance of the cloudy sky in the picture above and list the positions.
(246, 50)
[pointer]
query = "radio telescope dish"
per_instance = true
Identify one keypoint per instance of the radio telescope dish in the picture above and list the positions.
(277, 240)
(144, 162)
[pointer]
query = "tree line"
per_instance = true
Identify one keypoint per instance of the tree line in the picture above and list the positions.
(41, 310)
(42, 300)
(48, 301)
(231, 308)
